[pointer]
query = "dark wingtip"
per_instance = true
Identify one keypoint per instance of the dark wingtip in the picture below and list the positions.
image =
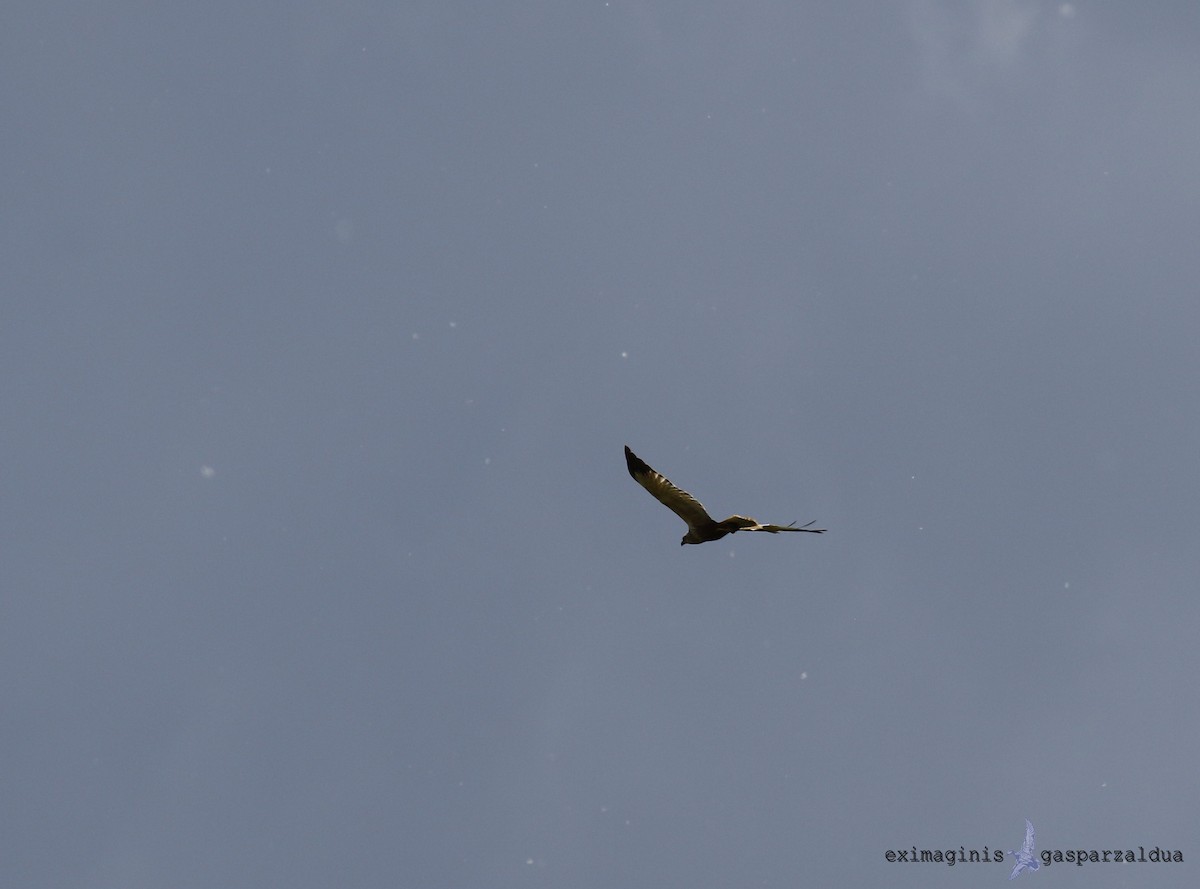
(634, 463)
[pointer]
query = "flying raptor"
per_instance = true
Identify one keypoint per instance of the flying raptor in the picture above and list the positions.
(1026, 860)
(701, 527)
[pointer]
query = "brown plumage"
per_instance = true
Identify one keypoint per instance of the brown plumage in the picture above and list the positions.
(701, 527)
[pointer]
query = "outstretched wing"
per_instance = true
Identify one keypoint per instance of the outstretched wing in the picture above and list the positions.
(1028, 847)
(775, 529)
(675, 499)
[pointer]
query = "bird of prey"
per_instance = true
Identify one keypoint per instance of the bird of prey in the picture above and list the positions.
(1024, 855)
(701, 527)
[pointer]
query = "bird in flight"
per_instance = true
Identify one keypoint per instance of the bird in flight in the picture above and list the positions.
(701, 527)
(1025, 857)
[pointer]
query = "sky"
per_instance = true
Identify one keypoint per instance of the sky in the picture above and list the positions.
(323, 328)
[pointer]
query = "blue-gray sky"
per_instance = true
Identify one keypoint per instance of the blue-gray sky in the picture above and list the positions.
(323, 328)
